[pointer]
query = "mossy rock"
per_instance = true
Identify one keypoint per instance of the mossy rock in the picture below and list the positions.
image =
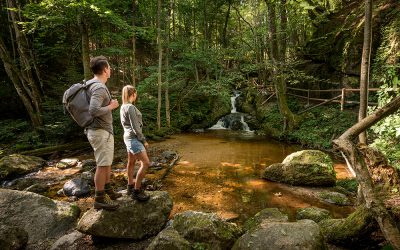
(132, 220)
(313, 213)
(12, 237)
(334, 198)
(16, 165)
(206, 230)
(355, 230)
(307, 167)
(169, 239)
(270, 214)
(304, 234)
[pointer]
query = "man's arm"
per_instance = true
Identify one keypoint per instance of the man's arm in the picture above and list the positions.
(96, 101)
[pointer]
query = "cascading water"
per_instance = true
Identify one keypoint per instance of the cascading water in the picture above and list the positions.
(235, 120)
(233, 102)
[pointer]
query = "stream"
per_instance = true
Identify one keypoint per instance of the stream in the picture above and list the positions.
(219, 171)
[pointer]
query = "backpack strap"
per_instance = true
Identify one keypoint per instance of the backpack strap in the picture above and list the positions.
(91, 82)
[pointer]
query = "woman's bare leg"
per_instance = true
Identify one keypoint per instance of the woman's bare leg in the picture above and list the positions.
(145, 163)
(130, 168)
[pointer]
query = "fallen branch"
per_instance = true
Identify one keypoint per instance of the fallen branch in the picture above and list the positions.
(353, 154)
(52, 149)
(169, 167)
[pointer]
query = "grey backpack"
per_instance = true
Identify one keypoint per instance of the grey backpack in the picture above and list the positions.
(76, 101)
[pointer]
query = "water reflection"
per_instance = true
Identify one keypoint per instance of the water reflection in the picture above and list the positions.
(219, 171)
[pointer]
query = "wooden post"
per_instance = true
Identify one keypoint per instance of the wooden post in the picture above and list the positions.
(342, 99)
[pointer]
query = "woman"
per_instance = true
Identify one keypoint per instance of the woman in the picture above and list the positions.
(131, 120)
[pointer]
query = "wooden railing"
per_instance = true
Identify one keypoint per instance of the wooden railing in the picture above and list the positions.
(341, 96)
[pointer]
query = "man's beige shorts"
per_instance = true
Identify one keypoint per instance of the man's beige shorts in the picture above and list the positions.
(103, 145)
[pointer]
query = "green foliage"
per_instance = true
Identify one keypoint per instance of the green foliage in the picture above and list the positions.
(317, 128)
(386, 132)
(321, 125)
(350, 185)
(386, 64)
(10, 129)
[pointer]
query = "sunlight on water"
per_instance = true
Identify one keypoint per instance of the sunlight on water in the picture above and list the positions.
(219, 172)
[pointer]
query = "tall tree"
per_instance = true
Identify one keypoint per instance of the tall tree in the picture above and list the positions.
(160, 56)
(83, 27)
(167, 56)
(277, 59)
(23, 71)
(365, 67)
(133, 43)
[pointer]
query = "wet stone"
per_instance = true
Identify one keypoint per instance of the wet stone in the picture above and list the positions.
(334, 198)
(76, 187)
(313, 213)
(67, 163)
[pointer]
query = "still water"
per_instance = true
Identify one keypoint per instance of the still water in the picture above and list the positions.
(219, 171)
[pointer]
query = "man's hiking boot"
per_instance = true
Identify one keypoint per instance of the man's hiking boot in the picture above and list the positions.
(140, 195)
(103, 201)
(129, 189)
(111, 193)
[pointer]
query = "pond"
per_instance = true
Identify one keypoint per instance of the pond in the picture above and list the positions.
(219, 171)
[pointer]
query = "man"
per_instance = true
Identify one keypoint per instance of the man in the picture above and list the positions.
(100, 132)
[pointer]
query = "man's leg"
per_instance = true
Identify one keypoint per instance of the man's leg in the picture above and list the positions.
(100, 178)
(108, 188)
(101, 200)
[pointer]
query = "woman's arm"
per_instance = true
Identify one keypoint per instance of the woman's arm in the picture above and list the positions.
(136, 123)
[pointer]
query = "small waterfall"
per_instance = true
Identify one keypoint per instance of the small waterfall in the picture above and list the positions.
(235, 120)
(233, 102)
(244, 124)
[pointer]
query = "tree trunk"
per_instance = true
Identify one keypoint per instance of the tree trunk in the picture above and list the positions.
(85, 48)
(24, 74)
(283, 33)
(133, 44)
(159, 63)
(24, 93)
(224, 38)
(372, 200)
(365, 61)
(280, 86)
(167, 103)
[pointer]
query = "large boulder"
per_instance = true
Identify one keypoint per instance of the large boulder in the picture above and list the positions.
(169, 239)
(353, 231)
(271, 235)
(42, 218)
(303, 168)
(68, 241)
(15, 165)
(132, 220)
(270, 214)
(12, 237)
(201, 230)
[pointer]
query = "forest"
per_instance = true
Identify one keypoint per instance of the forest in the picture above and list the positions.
(320, 74)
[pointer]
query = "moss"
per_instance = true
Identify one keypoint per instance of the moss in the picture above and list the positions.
(349, 184)
(313, 213)
(207, 230)
(334, 197)
(351, 231)
(271, 214)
